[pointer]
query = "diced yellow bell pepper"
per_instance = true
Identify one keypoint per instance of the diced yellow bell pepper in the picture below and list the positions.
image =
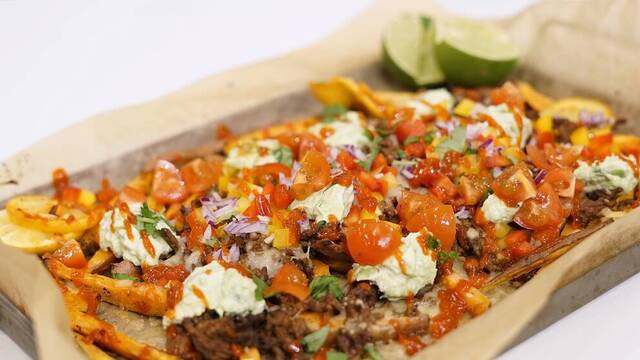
(86, 198)
(242, 204)
(543, 124)
(600, 131)
(622, 143)
(502, 230)
(367, 215)
(464, 108)
(476, 301)
(580, 136)
(223, 184)
(250, 354)
(281, 238)
(536, 99)
(320, 268)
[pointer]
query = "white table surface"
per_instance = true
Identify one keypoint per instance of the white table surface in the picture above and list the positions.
(63, 61)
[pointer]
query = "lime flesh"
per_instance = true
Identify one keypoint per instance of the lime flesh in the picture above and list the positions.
(473, 53)
(407, 50)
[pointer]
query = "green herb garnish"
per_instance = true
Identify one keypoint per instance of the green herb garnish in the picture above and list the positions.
(260, 286)
(432, 242)
(375, 150)
(457, 141)
(618, 172)
(336, 355)
(284, 155)
(321, 224)
(148, 221)
(331, 112)
(118, 276)
(322, 285)
(427, 138)
(373, 352)
(314, 341)
(444, 256)
(411, 140)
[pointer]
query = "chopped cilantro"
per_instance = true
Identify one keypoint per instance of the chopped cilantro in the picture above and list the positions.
(148, 221)
(373, 352)
(432, 242)
(331, 112)
(336, 355)
(212, 242)
(322, 285)
(444, 256)
(411, 140)
(470, 151)
(284, 155)
(369, 134)
(457, 141)
(123, 277)
(401, 154)
(321, 224)
(427, 138)
(260, 286)
(375, 150)
(618, 172)
(314, 341)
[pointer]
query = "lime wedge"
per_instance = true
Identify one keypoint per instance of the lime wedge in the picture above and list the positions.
(407, 51)
(472, 53)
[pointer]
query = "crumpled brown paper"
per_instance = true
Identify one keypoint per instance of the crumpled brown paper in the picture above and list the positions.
(567, 47)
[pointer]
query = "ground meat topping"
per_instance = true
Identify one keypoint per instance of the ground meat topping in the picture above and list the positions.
(562, 129)
(591, 205)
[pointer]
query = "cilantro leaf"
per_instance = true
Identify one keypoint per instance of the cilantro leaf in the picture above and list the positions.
(284, 155)
(373, 352)
(260, 286)
(457, 141)
(375, 150)
(444, 256)
(148, 221)
(432, 242)
(321, 224)
(322, 285)
(314, 341)
(331, 112)
(411, 140)
(618, 172)
(336, 355)
(427, 138)
(119, 276)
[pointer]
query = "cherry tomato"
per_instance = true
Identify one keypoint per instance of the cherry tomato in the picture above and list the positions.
(521, 249)
(543, 210)
(508, 94)
(418, 211)
(546, 236)
(516, 237)
(347, 161)
(562, 180)
(168, 185)
(290, 280)
(372, 241)
(281, 197)
(270, 172)
(409, 128)
(311, 142)
(199, 174)
(71, 255)
(314, 174)
(514, 185)
(472, 188)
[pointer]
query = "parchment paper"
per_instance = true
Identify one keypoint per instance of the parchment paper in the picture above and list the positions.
(586, 47)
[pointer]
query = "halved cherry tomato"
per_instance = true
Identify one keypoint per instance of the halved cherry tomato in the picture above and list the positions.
(562, 180)
(168, 185)
(347, 161)
(372, 241)
(546, 236)
(542, 211)
(514, 185)
(418, 211)
(521, 249)
(199, 174)
(444, 188)
(379, 162)
(369, 181)
(270, 172)
(311, 142)
(409, 128)
(545, 137)
(537, 157)
(472, 188)
(314, 174)
(417, 150)
(495, 160)
(71, 255)
(281, 197)
(517, 236)
(290, 280)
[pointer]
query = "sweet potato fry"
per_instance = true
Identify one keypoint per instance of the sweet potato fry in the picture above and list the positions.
(93, 352)
(143, 298)
(543, 256)
(105, 335)
(100, 261)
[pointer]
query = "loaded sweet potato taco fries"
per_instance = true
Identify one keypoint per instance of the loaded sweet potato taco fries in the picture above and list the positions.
(371, 229)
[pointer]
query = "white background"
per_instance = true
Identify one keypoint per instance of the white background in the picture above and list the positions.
(66, 60)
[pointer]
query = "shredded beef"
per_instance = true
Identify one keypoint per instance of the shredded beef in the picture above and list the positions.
(389, 212)
(469, 237)
(328, 305)
(327, 244)
(592, 203)
(125, 267)
(390, 148)
(276, 334)
(562, 129)
(178, 343)
(530, 112)
(171, 240)
(360, 299)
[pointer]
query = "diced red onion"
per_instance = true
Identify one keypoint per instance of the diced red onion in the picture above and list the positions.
(592, 119)
(496, 171)
(355, 152)
(288, 181)
(216, 208)
(463, 213)
(445, 125)
(485, 144)
(407, 172)
(243, 226)
(540, 176)
(207, 233)
(304, 224)
(474, 130)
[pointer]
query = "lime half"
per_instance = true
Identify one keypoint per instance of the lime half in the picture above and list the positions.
(472, 53)
(407, 50)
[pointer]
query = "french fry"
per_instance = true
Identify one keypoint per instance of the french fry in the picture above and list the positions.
(108, 337)
(93, 352)
(143, 298)
(100, 261)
